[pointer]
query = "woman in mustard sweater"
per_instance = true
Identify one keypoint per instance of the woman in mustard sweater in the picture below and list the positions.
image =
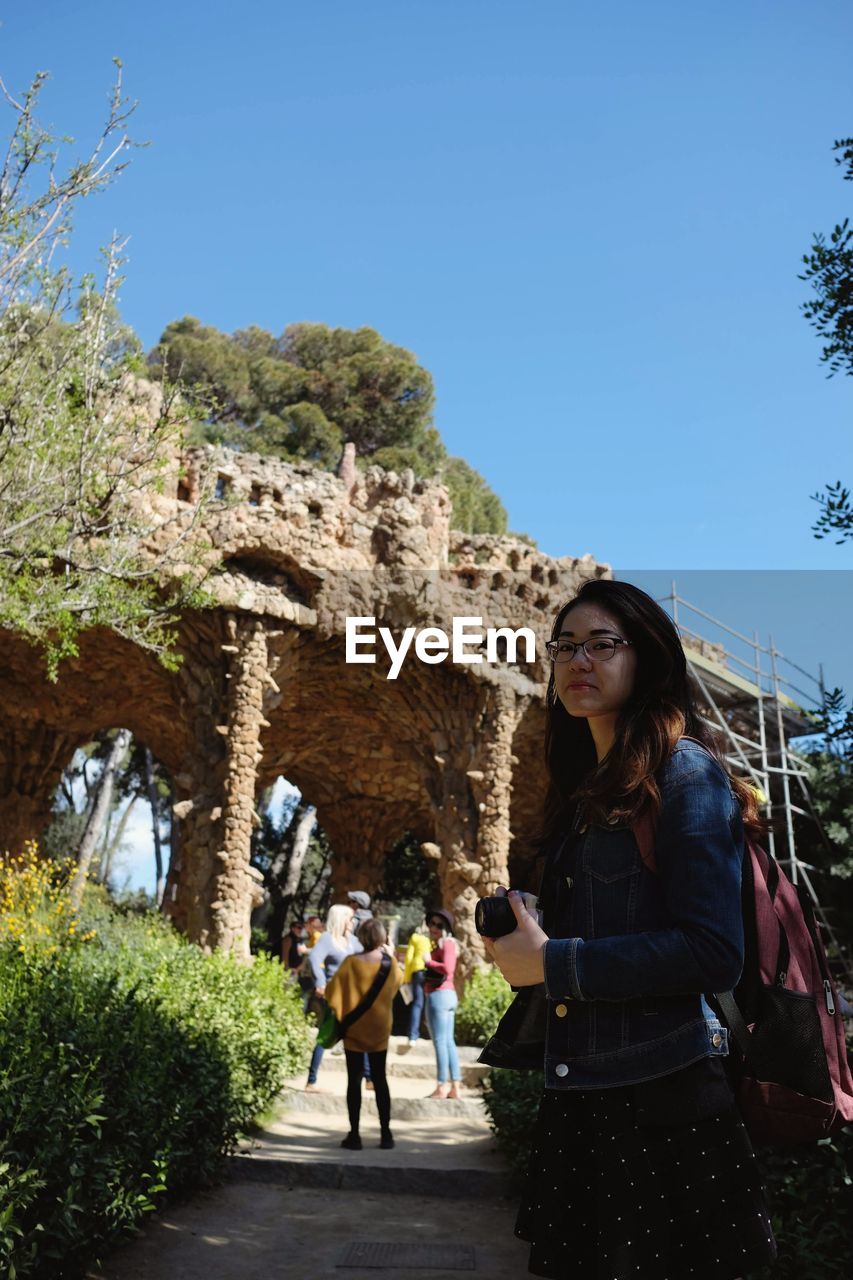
(370, 1033)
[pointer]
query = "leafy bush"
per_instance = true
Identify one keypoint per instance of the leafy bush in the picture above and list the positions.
(512, 1099)
(810, 1193)
(130, 1062)
(487, 996)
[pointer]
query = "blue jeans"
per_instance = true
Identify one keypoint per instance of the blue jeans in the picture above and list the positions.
(417, 1006)
(316, 1059)
(441, 1016)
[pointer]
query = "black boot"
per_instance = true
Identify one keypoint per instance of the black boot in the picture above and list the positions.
(386, 1140)
(352, 1142)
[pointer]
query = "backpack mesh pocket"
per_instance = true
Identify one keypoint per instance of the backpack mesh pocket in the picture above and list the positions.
(787, 1043)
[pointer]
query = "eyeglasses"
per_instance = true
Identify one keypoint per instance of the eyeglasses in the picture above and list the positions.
(600, 649)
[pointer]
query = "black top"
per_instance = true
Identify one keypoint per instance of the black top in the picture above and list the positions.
(294, 959)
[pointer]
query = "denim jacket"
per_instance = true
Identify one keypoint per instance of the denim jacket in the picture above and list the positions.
(625, 988)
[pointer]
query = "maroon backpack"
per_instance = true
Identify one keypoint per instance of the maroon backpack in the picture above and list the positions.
(793, 1078)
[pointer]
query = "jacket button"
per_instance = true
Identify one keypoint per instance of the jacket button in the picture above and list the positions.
(561, 1069)
(716, 1039)
(561, 1010)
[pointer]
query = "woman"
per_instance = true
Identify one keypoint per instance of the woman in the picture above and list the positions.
(414, 973)
(640, 1165)
(325, 958)
(369, 1033)
(441, 1002)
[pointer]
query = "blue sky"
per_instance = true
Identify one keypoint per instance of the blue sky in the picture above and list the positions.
(586, 220)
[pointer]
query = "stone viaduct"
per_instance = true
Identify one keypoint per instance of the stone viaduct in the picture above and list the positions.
(450, 752)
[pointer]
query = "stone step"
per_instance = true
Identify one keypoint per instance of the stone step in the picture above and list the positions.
(431, 1157)
(414, 1066)
(423, 1049)
(408, 1099)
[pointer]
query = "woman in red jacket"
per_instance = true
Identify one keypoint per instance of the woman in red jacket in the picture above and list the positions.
(441, 1002)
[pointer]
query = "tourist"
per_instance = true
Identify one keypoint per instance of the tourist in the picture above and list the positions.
(314, 929)
(314, 926)
(441, 1002)
(325, 957)
(293, 949)
(360, 901)
(640, 1165)
(361, 905)
(373, 976)
(414, 973)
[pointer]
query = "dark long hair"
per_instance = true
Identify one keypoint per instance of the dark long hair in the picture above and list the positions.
(660, 709)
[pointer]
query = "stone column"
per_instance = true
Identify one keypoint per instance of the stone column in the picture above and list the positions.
(213, 888)
(235, 885)
(32, 757)
(472, 832)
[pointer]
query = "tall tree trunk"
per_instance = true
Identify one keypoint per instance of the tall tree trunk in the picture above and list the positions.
(301, 838)
(98, 816)
(113, 844)
(154, 802)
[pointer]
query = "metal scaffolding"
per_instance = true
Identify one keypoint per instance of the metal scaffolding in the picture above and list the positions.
(749, 702)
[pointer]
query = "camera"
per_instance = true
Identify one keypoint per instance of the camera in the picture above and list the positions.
(495, 918)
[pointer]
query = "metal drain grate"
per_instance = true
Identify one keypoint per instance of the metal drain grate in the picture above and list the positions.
(399, 1257)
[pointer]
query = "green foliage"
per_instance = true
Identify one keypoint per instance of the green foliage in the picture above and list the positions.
(810, 1193)
(829, 268)
(829, 770)
(129, 1064)
(476, 508)
(302, 395)
(511, 1099)
(272, 854)
(83, 445)
(487, 997)
(409, 885)
(523, 537)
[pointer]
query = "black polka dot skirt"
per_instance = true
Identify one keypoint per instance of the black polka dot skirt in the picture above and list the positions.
(612, 1196)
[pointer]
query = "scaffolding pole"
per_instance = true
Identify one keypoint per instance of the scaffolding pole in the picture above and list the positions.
(735, 706)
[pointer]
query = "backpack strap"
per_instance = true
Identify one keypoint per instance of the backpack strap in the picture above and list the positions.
(734, 1021)
(366, 1001)
(643, 827)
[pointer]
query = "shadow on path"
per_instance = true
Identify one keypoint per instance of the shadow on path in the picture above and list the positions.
(245, 1231)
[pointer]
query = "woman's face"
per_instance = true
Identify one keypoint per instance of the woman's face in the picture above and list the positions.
(436, 928)
(588, 688)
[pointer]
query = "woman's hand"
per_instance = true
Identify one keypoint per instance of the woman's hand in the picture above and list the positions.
(320, 991)
(520, 955)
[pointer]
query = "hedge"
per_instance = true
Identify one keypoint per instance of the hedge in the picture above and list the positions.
(130, 1063)
(487, 996)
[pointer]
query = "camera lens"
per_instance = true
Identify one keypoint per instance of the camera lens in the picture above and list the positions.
(494, 917)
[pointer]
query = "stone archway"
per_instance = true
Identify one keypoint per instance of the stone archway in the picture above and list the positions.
(264, 689)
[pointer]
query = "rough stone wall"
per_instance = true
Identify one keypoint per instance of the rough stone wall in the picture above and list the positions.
(264, 689)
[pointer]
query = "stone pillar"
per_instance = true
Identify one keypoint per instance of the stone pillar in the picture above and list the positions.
(32, 757)
(235, 886)
(213, 888)
(472, 832)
